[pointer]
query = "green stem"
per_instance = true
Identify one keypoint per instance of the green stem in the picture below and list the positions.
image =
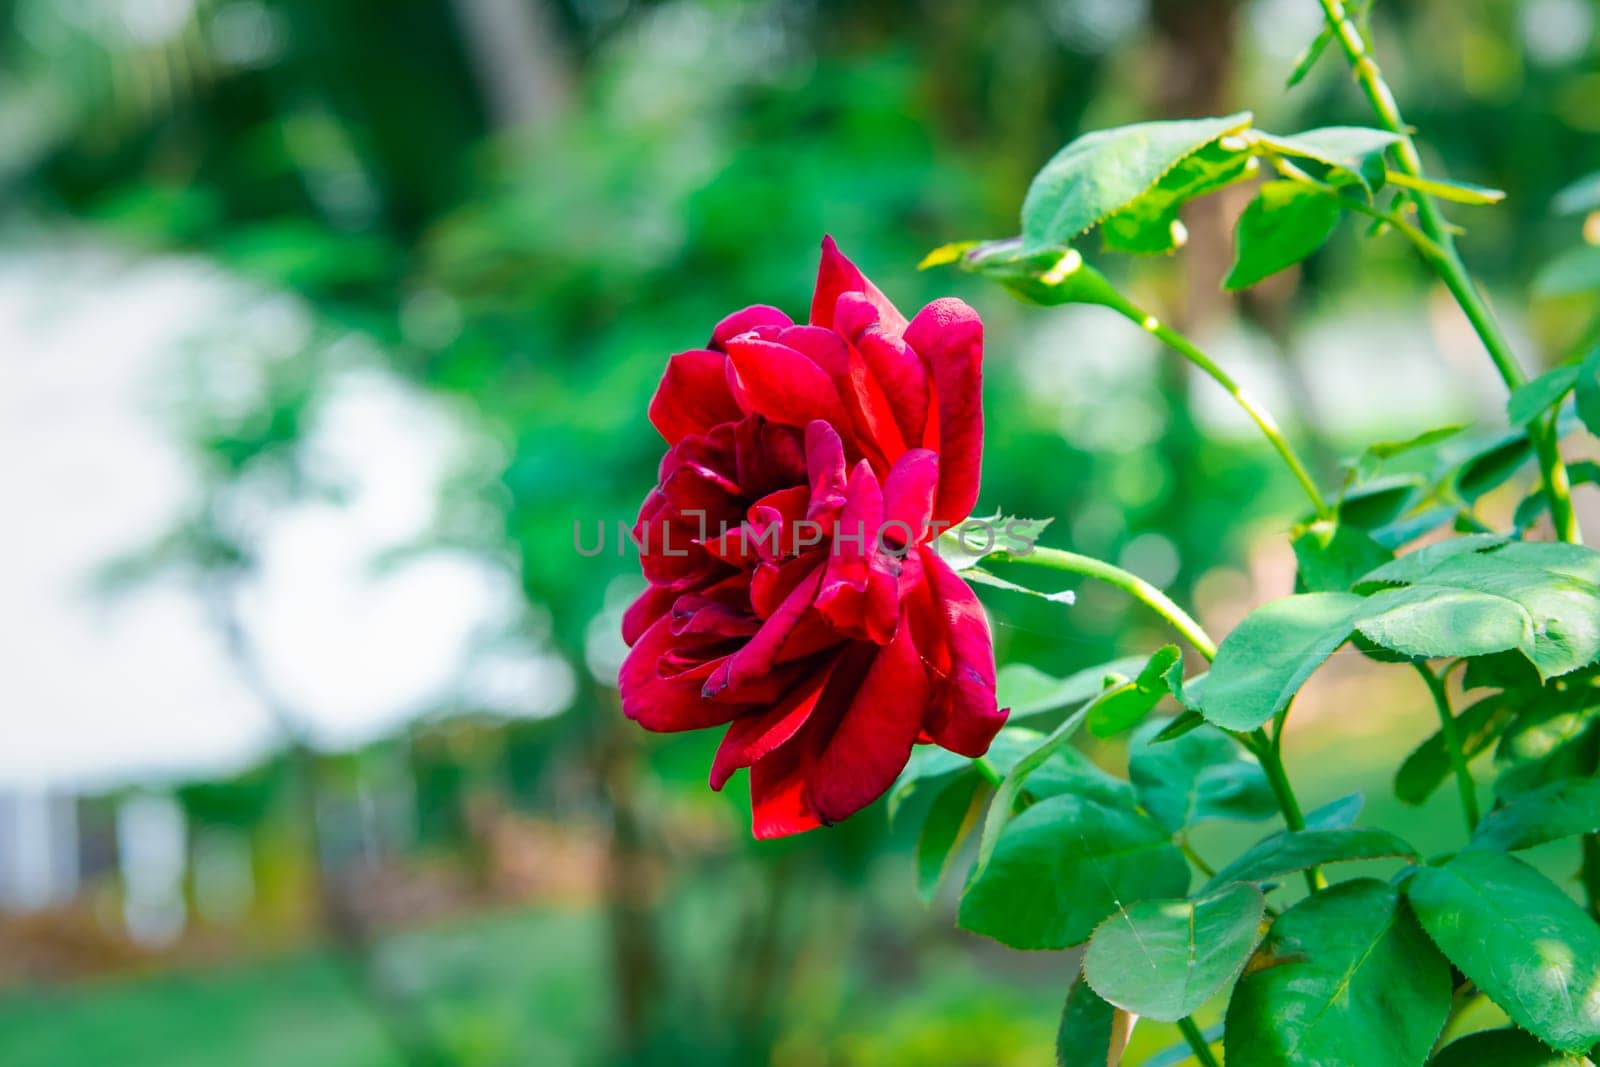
(1197, 1041)
(1198, 860)
(1452, 745)
(1070, 562)
(1267, 751)
(1446, 262)
(1259, 415)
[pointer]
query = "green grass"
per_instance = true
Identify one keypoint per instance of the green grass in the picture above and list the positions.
(526, 988)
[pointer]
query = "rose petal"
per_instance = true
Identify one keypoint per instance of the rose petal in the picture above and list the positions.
(964, 716)
(948, 335)
(780, 384)
(761, 651)
(661, 704)
(908, 496)
(835, 275)
(693, 396)
(650, 605)
(825, 470)
(746, 319)
(873, 741)
(900, 373)
(755, 735)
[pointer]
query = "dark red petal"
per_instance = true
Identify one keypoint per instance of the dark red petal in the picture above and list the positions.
(693, 396)
(873, 740)
(948, 335)
(780, 384)
(650, 606)
(908, 495)
(825, 469)
(760, 653)
(755, 735)
(747, 319)
(779, 805)
(900, 373)
(662, 704)
(836, 275)
(820, 345)
(964, 717)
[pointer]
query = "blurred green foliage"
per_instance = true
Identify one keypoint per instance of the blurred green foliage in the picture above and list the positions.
(539, 262)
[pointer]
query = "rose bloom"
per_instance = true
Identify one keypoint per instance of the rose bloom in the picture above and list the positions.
(794, 595)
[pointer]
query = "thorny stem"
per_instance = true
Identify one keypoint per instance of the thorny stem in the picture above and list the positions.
(1452, 745)
(1446, 262)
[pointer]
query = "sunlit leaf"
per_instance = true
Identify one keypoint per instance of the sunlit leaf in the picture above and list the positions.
(1105, 171)
(1336, 154)
(1263, 662)
(1285, 223)
(1162, 959)
(1520, 939)
(1343, 977)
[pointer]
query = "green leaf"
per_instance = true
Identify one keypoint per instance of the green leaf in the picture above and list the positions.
(1579, 198)
(955, 811)
(1459, 192)
(1162, 959)
(1092, 1033)
(1332, 555)
(1285, 223)
(1201, 775)
(1491, 463)
(1379, 502)
(1062, 866)
(1128, 703)
(1532, 399)
(927, 768)
(1587, 392)
(1561, 809)
(1504, 1048)
(1343, 977)
(965, 544)
(1308, 57)
(1428, 765)
(1338, 814)
(1367, 464)
(1577, 270)
(1339, 154)
(1520, 939)
(1268, 657)
(1150, 224)
(1288, 851)
(1539, 599)
(1105, 171)
(1029, 691)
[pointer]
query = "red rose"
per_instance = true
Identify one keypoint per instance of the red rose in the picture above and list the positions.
(794, 595)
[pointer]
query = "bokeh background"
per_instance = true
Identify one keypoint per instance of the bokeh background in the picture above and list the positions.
(322, 322)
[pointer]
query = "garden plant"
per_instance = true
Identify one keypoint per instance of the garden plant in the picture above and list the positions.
(811, 550)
